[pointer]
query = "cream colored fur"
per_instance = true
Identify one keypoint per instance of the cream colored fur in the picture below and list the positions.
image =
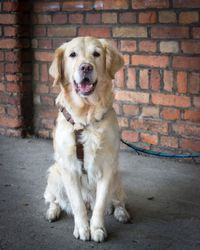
(67, 187)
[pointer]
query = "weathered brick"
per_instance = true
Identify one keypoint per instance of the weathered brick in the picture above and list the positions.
(111, 4)
(167, 17)
(134, 97)
(181, 82)
(44, 73)
(44, 43)
(186, 4)
(150, 111)
(169, 141)
(155, 79)
(168, 80)
(47, 100)
(9, 43)
(152, 125)
(186, 129)
(61, 31)
(151, 61)
(120, 79)
(190, 47)
(75, 18)
(130, 31)
(39, 31)
(183, 62)
(10, 122)
(143, 4)
(41, 19)
(170, 100)
(131, 81)
(109, 18)
(169, 47)
(123, 122)
(93, 18)
(147, 46)
(144, 79)
(43, 56)
(59, 18)
(128, 45)
(192, 115)
(10, 31)
(190, 145)
(46, 6)
(8, 19)
(13, 87)
(196, 32)
(130, 110)
(196, 101)
(189, 17)
(77, 5)
(127, 17)
(194, 83)
(170, 32)
(42, 89)
(148, 17)
(130, 136)
(149, 138)
(170, 114)
(97, 32)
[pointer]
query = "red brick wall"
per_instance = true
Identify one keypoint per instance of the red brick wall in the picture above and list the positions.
(157, 92)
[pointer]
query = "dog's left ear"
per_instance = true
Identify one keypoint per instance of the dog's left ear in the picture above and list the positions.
(114, 59)
(56, 69)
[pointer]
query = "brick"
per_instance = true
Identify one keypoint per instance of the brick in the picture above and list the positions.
(44, 44)
(196, 101)
(93, 18)
(186, 129)
(111, 4)
(169, 141)
(130, 31)
(183, 62)
(77, 5)
(97, 32)
(188, 17)
(170, 100)
(42, 89)
(147, 46)
(75, 18)
(109, 18)
(181, 81)
(170, 114)
(194, 83)
(129, 136)
(167, 17)
(12, 68)
(10, 6)
(168, 80)
(13, 87)
(144, 79)
(10, 31)
(169, 47)
(133, 97)
(47, 100)
(44, 73)
(8, 43)
(2, 111)
(120, 79)
(39, 31)
(13, 78)
(191, 47)
(196, 32)
(13, 111)
(10, 122)
(147, 17)
(155, 79)
(186, 4)
(148, 138)
(60, 19)
(190, 145)
(150, 112)
(192, 115)
(2, 87)
(127, 17)
(117, 108)
(1, 56)
(8, 19)
(126, 59)
(130, 110)
(43, 56)
(47, 123)
(123, 122)
(46, 7)
(128, 45)
(170, 32)
(131, 81)
(41, 19)
(36, 74)
(151, 125)
(143, 4)
(151, 61)
(61, 31)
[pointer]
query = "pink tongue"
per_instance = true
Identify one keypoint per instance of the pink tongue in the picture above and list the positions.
(85, 87)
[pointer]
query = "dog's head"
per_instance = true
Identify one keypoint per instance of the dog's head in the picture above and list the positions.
(85, 62)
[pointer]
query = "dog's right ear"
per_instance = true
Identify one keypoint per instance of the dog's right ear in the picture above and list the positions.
(56, 69)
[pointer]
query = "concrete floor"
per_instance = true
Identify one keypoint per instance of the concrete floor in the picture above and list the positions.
(164, 199)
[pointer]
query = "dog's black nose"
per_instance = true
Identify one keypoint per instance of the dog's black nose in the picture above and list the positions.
(86, 67)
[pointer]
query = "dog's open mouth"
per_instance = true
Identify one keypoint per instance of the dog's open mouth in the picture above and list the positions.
(85, 87)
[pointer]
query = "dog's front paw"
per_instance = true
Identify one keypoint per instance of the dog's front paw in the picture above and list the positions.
(53, 213)
(98, 234)
(81, 232)
(121, 214)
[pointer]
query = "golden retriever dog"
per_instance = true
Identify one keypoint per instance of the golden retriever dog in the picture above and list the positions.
(84, 69)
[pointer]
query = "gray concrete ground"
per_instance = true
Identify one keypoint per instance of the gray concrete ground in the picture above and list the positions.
(164, 199)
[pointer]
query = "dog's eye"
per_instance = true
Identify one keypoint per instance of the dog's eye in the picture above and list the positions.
(73, 54)
(96, 54)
